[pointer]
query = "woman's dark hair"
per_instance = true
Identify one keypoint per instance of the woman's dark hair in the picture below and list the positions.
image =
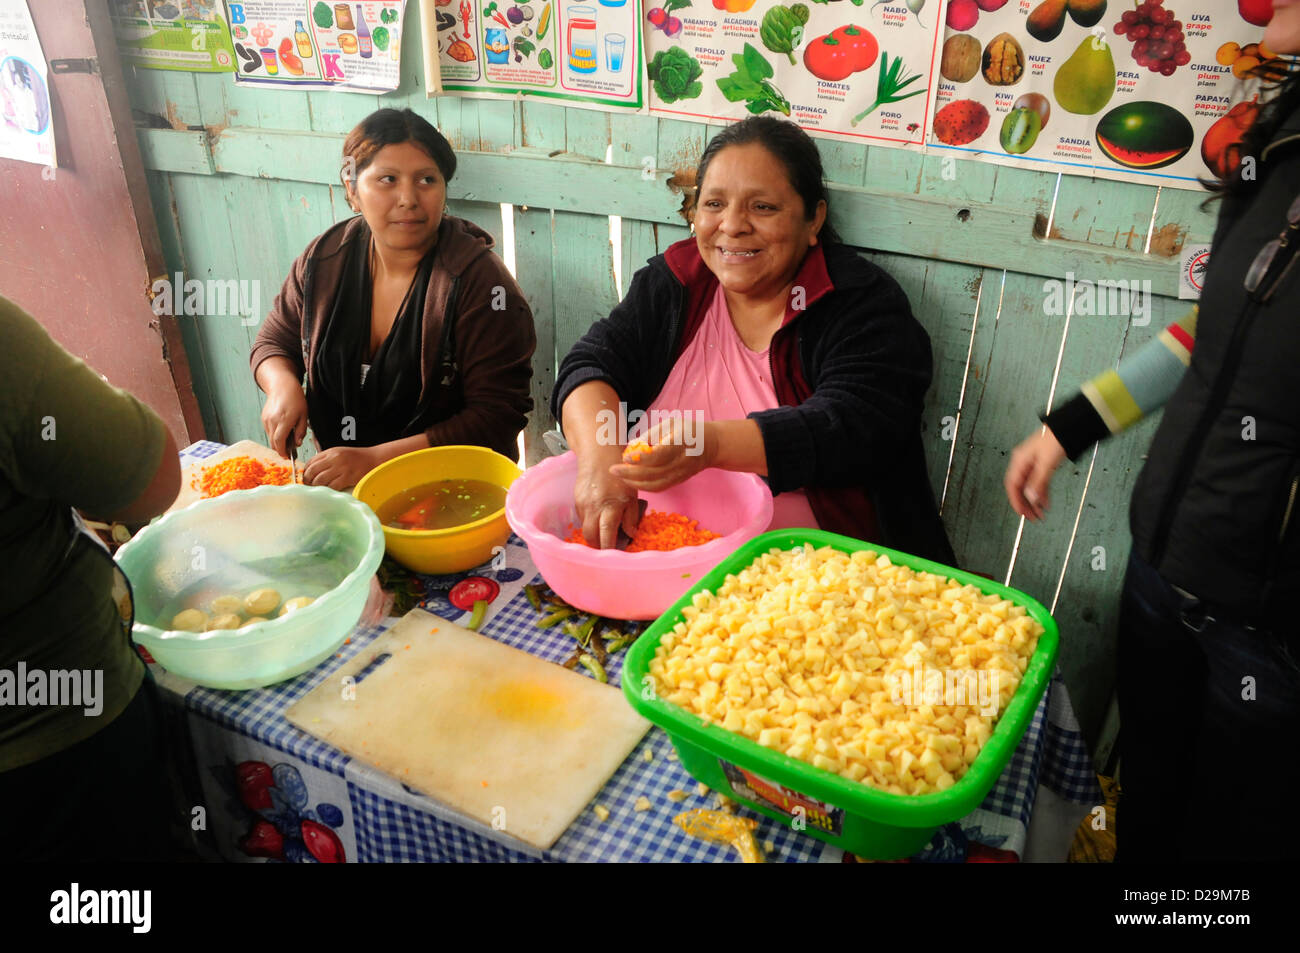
(791, 146)
(1275, 112)
(392, 127)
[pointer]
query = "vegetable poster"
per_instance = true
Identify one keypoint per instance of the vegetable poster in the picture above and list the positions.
(858, 71)
(173, 34)
(306, 44)
(581, 52)
(1153, 91)
(26, 114)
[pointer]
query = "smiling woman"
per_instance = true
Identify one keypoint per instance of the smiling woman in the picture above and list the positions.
(407, 330)
(801, 358)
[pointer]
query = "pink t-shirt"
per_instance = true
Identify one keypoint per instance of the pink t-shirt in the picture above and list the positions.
(719, 376)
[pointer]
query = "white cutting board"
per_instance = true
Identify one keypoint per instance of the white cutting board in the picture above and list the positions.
(243, 448)
(497, 734)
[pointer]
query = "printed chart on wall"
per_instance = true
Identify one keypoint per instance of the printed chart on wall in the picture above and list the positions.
(855, 71)
(581, 52)
(26, 115)
(173, 34)
(296, 44)
(1152, 91)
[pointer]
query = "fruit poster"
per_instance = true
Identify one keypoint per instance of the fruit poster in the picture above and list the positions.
(26, 114)
(581, 52)
(858, 71)
(173, 34)
(1151, 91)
(306, 44)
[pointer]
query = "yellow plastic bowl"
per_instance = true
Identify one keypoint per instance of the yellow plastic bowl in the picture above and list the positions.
(449, 550)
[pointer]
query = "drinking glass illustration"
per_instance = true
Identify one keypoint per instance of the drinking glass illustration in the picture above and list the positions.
(582, 39)
(268, 60)
(615, 44)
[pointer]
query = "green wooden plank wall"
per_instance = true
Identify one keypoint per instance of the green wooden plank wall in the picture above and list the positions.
(242, 179)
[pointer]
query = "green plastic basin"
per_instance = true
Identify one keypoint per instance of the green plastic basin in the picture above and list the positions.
(850, 814)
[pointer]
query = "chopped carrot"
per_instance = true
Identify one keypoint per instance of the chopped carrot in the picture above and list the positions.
(635, 451)
(238, 473)
(659, 532)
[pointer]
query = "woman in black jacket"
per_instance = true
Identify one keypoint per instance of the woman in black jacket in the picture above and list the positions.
(800, 359)
(1209, 642)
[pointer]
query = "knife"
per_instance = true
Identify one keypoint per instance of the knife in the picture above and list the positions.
(293, 457)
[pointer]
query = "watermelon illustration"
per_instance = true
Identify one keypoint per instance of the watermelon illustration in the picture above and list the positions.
(1144, 135)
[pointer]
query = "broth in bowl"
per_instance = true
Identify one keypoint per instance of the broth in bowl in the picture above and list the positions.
(442, 504)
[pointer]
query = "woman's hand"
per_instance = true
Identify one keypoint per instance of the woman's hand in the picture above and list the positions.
(284, 416)
(1030, 472)
(604, 503)
(670, 459)
(341, 468)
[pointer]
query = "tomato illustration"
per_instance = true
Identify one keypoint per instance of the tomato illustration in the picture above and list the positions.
(253, 779)
(323, 843)
(473, 589)
(263, 841)
(861, 42)
(846, 50)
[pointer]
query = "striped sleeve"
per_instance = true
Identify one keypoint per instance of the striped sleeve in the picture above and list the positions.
(1115, 400)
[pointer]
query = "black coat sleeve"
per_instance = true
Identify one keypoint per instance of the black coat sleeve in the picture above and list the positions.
(631, 350)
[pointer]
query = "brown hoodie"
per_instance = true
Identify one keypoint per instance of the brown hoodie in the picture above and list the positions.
(479, 391)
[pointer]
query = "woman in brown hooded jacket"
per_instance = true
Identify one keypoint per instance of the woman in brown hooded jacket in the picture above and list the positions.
(407, 331)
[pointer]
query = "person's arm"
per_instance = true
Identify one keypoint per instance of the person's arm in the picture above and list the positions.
(619, 349)
(606, 368)
(1108, 404)
(603, 500)
(76, 439)
(276, 361)
(159, 494)
(1115, 400)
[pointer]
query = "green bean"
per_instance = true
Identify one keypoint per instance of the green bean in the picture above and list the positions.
(595, 668)
(476, 619)
(557, 616)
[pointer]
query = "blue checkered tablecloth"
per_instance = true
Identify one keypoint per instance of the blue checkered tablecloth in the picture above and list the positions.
(391, 822)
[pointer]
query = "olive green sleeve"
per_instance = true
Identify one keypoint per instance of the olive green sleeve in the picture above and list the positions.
(65, 434)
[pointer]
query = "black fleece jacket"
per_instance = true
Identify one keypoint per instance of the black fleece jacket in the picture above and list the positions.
(850, 368)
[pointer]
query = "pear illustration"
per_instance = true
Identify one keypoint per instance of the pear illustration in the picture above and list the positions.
(1046, 20)
(1087, 12)
(1086, 81)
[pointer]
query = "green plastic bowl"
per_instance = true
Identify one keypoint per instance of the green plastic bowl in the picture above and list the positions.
(298, 540)
(849, 814)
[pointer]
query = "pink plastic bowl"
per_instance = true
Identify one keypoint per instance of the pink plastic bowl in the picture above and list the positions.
(539, 507)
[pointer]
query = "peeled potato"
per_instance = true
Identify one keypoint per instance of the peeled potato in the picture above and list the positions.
(261, 602)
(227, 605)
(190, 620)
(296, 603)
(254, 620)
(227, 620)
